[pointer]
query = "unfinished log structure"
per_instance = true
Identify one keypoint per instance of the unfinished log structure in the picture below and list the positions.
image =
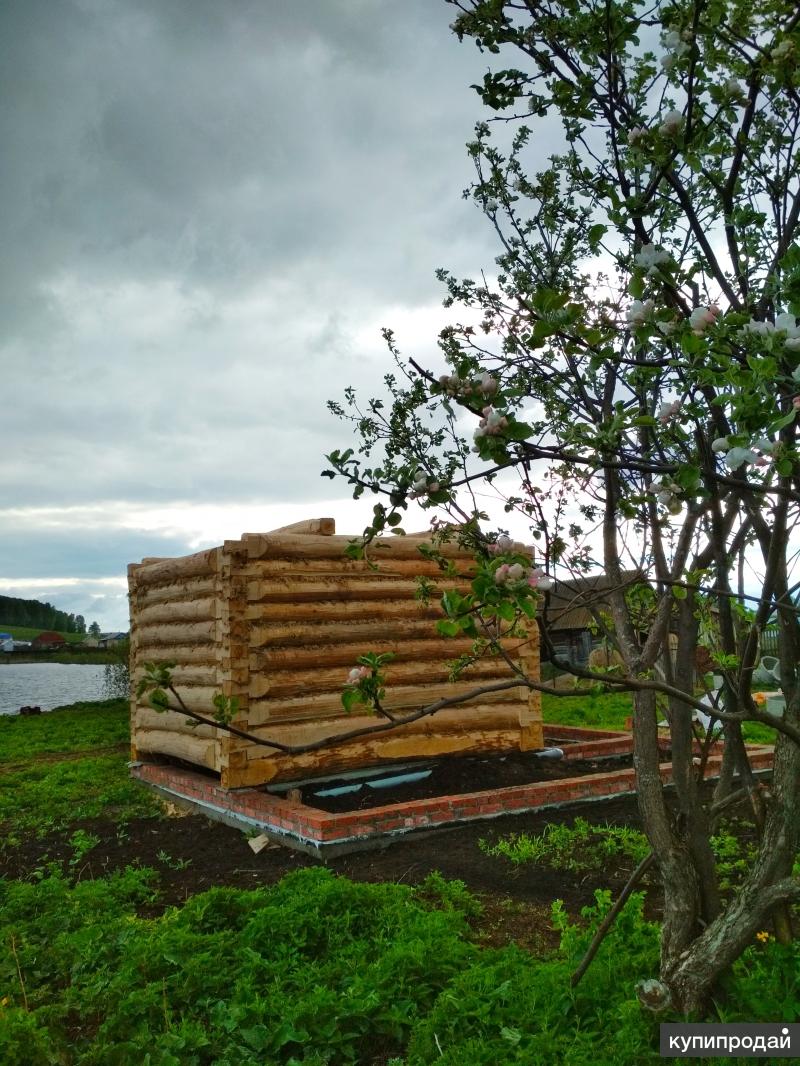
(277, 620)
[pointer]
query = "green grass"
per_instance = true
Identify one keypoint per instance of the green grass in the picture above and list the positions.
(321, 971)
(611, 710)
(47, 796)
(30, 632)
(598, 712)
(38, 795)
(79, 727)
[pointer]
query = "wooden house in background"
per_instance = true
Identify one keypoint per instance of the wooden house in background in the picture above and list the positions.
(48, 641)
(277, 620)
(571, 615)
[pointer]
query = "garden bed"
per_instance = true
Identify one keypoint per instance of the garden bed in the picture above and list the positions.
(288, 818)
(453, 776)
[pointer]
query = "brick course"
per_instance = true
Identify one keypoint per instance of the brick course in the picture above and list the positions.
(298, 825)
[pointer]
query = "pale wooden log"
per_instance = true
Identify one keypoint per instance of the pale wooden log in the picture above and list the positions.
(145, 718)
(437, 648)
(184, 675)
(449, 720)
(200, 698)
(170, 570)
(191, 589)
(399, 697)
(179, 633)
(324, 526)
(297, 683)
(342, 632)
(532, 734)
(198, 750)
(287, 545)
(360, 753)
(266, 568)
(286, 589)
(338, 632)
(341, 610)
(179, 653)
(199, 610)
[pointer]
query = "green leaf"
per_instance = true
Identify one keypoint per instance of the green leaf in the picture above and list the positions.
(350, 697)
(451, 602)
(448, 628)
(784, 467)
(518, 431)
(636, 287)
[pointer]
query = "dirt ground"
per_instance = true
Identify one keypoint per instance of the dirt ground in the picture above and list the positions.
(456, 775)
(193, 854)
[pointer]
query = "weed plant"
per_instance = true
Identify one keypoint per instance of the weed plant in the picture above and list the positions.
(49, 796)
(579, 848)
(320, 970)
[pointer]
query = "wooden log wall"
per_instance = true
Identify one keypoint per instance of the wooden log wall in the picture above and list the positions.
(278, 620)
(175, 617)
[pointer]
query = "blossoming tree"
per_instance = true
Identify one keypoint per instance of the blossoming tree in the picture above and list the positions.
(637, 367)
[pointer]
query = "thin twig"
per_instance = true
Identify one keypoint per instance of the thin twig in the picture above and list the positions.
(608, 921)
(19, 972)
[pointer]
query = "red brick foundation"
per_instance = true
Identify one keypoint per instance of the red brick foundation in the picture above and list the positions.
(309, 829)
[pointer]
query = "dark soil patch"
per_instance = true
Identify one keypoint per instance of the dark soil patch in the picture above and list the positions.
(456, 775)
(192, 854)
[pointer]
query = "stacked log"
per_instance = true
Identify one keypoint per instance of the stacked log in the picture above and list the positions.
(278, 619)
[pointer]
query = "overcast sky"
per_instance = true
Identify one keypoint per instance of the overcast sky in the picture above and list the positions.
(210, 209)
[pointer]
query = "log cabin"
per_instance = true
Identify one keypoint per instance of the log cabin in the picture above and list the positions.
(277, 620)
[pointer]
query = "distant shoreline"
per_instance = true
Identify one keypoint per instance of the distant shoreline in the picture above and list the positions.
(95, 657)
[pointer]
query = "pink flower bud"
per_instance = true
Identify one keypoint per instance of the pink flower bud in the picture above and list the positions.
(501, 574)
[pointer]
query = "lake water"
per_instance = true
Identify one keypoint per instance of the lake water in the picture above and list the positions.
(49, 685)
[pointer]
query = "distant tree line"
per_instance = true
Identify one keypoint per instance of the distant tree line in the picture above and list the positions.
(33, 613)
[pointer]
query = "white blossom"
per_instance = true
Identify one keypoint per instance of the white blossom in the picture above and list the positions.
(635, 134)
(735, 89)
(638, 313)
(782, 50)
(721, 444)
(737, 457)
(676, 45)
(703, 317)
(651, 258)
(672, 124)
(787, 323)
(758, 329)
(668, 411)
(545, 583)
(764, 444)
(486, 383)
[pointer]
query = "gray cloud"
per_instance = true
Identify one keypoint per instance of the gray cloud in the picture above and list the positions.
(204, 205)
